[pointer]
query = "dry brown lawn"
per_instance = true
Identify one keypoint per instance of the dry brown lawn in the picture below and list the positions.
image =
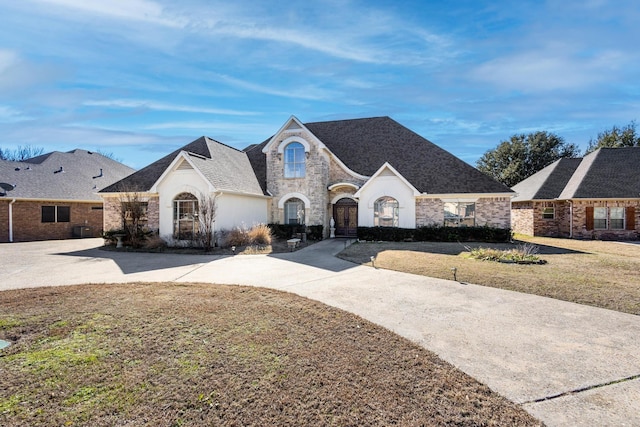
(602, 274)
(192, 355)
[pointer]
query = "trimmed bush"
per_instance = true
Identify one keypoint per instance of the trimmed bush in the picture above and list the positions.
(435, 234)
(287, 231)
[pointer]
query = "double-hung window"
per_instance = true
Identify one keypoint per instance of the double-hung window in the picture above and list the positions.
(56, 213)
(294, 160)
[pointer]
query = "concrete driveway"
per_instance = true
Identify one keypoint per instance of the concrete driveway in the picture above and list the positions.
(566, 364)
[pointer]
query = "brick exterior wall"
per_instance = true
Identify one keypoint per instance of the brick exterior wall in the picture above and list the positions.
(526, 218)
(490, 211)
(429, 212)
(579, 220)
(4, 220)
(493, 212)
(522, 218)
(113, 217)
(28, 225)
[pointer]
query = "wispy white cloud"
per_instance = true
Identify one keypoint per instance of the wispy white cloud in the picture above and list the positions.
(134, 10)
(549, 70)
(161, 106)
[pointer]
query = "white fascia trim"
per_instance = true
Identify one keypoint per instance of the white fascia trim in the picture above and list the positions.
(286, 142)
(283, 129)
(462, 196)
(28, 199)
(386, 165)
(239, 193)
(307, 202)
(343, 184)
(184, 156)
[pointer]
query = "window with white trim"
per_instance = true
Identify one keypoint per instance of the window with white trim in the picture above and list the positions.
(616, 218)
(185, 216)
(294, 160)
(548, 211)
(294, 211)
(458, 214)
(386, 212)
(600, 218)
(56, 214)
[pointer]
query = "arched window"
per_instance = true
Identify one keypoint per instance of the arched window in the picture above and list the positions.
(294, 160)
(385, 212)
(294, 211)
(185, 216)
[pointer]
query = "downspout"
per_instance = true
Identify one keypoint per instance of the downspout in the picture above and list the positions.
(571, 219)
(11, 219)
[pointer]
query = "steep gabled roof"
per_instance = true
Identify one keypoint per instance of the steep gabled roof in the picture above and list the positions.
(364, 145)
(74, 175)
(143, 179)
(548, 183)
(607, 173)
(226, 168)
(611, 173)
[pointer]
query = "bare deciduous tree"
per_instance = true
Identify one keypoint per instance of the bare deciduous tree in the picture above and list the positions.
(21, 153)
(207, 210)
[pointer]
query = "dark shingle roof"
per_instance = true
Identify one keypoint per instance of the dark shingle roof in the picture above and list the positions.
(143, 179)
(548, 183)
(225, 167)
(607, 173)
(364, 145)
(79, 179)
(612, 173)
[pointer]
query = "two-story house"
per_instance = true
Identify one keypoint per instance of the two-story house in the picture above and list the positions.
(347, 173)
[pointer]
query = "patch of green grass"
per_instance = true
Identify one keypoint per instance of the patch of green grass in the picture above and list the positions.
(8, 323)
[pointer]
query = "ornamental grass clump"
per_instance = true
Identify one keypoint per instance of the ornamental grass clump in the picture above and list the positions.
(524, 253)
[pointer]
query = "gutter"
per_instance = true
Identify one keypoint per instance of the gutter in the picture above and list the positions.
(11, 220)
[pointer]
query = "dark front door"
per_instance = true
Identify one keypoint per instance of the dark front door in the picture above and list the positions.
(345, 214)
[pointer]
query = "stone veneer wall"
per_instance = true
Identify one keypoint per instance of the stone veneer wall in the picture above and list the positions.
(579, 220)
(113, 219)
(313, 185)
(28, 225)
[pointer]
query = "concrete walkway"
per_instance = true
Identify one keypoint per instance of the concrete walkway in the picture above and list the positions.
(566, 364)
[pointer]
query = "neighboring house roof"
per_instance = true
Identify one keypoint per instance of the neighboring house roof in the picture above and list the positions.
(226, 168)
(607, 173)
(548, 183)
(74, 175)
(364, 145)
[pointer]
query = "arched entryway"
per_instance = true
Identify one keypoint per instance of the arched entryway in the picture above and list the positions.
(345, 214)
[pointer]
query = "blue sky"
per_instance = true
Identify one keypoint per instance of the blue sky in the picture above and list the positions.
(140, 78)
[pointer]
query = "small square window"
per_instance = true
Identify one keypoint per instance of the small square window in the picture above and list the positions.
(549, 213)
(48, 214)
(63, 214)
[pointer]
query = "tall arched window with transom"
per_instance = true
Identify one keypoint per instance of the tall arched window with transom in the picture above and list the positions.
(185, 216)
(386, 212)
(294, 160)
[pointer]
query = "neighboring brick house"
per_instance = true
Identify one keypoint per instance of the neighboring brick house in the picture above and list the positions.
(54, 196)
(595, 197)
(363, 172)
